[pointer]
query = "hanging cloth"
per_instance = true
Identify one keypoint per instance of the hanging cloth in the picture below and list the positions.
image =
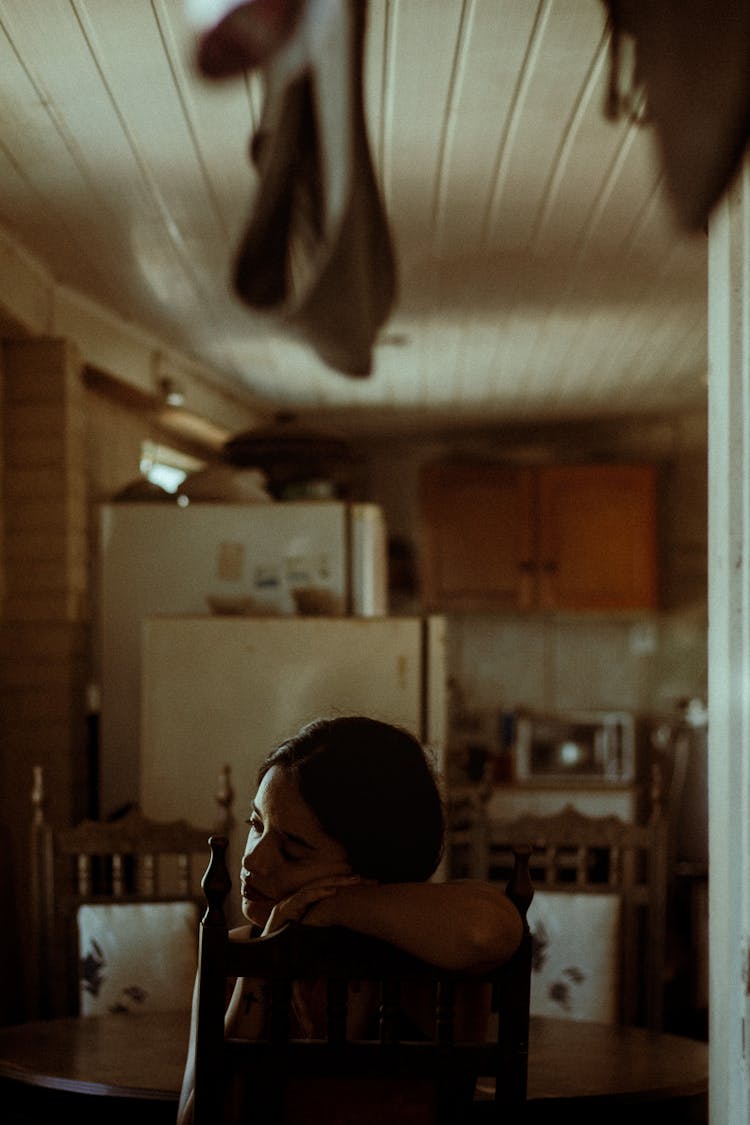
(694, 62)
(316, 257)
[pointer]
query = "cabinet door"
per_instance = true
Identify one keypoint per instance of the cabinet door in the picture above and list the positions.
(476, 537)
(598, 537)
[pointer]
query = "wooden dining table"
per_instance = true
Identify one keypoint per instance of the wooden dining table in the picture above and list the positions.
(578, 1071)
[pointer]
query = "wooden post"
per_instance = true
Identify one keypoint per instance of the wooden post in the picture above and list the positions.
(729, 654)
(213, 940)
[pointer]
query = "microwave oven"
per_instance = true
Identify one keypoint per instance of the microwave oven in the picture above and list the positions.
(589, 745)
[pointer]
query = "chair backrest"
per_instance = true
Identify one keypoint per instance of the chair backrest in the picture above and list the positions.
(341, 1078)
(115, 909)
(618, 873)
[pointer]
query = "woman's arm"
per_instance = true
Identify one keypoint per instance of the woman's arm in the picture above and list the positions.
(185, 1105)
(462, 924)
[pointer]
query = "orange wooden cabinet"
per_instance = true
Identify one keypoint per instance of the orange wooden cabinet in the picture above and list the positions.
(557, 537)
(476, 537)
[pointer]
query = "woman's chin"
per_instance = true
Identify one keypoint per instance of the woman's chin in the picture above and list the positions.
(257, 913)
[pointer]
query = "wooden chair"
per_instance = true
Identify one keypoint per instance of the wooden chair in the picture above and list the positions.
(598, 857)
(339, 1078)
(115, 881)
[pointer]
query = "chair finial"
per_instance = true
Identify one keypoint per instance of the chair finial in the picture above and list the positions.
(216, 882)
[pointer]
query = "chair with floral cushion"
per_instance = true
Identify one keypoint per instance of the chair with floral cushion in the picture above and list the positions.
(115, 910)
(598, 919)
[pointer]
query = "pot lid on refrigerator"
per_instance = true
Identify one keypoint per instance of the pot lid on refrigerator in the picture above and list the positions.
(287, 451)
(143, 489)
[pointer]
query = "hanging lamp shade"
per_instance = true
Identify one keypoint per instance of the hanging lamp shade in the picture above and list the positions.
(289, 453)
(141, 490)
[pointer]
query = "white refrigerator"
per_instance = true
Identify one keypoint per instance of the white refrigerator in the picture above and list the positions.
(219, 691)
(160, 558)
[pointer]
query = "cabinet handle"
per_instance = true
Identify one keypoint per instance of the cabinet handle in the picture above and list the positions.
(526, 566)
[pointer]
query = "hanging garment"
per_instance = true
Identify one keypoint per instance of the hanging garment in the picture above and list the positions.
(244, 35)
(316, 257)
(693, 58)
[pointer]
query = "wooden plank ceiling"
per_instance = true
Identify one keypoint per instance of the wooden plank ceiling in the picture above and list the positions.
(541, 276)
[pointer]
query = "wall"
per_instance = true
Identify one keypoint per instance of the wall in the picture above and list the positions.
(43, 620)
(63, 448)
(645, 663)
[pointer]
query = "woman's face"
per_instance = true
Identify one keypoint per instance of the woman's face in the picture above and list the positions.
(286, 847)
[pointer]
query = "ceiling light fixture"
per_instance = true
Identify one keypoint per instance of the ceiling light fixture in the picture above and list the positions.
(171, 394)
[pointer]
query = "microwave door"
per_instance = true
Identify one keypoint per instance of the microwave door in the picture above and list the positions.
(602, 751)
(612, 756)
(625, 736)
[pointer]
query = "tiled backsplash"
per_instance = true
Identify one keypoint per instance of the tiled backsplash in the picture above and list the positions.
(645, 665)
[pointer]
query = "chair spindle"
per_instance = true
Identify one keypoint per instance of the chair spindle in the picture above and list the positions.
(83, 875)
(390, 993)
(183, 873)
(148, 875)
(445, 1011)
(118, 881)
(279, 1020)
(337, 994)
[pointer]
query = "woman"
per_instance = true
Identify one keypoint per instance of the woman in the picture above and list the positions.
(346, 830)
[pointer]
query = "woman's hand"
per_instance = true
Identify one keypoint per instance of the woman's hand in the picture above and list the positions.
(462, 924)
(295, 908)
(334, 910)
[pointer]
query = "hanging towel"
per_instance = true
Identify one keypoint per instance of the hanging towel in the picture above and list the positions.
(694, 62)
(316, 257)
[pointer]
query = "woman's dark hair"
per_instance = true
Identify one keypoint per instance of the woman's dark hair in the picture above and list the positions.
(373, 790)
